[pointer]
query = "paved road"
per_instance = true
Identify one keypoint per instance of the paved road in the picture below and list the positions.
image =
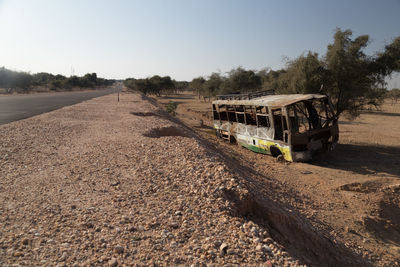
(17, 107)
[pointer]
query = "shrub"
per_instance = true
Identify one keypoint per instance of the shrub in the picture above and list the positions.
(171, 108)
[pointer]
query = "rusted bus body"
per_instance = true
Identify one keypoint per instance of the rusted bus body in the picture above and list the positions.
(294, 126)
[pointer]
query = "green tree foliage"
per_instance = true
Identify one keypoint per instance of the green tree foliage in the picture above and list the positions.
(270, 79)
(25, 81)
(239, 80)
(389, 60)
(155, 85)
(167, 86)
(302, 76)
(171, 108)
(352, 79)
(181, 85)
(197, 84)
(212, 86)
(15, 80)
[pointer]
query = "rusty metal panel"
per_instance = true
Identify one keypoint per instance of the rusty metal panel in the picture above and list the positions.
(273, 101)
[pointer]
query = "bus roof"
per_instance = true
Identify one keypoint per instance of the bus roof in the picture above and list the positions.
(271, 100)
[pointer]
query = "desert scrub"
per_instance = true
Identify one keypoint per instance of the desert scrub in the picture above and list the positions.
(171, 108)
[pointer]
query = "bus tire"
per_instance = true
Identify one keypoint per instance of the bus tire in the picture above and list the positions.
(275, 152)
(280, 158)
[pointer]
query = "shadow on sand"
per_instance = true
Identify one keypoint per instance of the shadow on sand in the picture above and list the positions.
(363, 159)
(381, 113)
(177, 97)
(351, 122)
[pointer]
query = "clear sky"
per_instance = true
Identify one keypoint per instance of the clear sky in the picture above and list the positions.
(180, 38)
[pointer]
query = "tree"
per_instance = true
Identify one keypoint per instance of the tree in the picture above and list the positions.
(42, 78)
(389, 60)
(181, 86)
(303, 75)
(197, 84)
(156, 85)
(161, 85)
(167, 85)
(394, 95)
(352, 79)
(143, 85)
(272, 80)
(241, 80)
(25, 81)
(89, 80)
(130, 83)
(212, 86)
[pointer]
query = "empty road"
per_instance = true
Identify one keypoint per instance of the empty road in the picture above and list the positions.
(17, 107)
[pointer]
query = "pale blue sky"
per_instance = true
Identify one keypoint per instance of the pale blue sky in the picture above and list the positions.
(183, 39)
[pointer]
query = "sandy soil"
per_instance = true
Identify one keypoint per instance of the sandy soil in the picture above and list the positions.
(122, 183)
(351, 196)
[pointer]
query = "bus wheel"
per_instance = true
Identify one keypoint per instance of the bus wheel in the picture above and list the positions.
(232, 140)
(276, 152)
(280, 158)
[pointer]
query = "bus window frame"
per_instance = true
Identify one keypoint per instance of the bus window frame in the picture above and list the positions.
(266, 115)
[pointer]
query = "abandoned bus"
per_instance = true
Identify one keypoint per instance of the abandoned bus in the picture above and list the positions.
(292, 127)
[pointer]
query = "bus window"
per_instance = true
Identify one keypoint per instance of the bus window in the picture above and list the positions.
(293, 120)
(310, 115)
(263, 121)
(231, 113)
(240, 117)
(261, 110)
(277, 117)
(324, 112)
(215, 113)
(223, 113)
(250, 113)
(301, 114)
(285, 129)
(239, 108)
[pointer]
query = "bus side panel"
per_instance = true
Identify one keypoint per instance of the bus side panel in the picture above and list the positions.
(242, 132)
(263, 146)
(285, 149)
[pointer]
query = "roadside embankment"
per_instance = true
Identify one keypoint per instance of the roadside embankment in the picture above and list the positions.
(119, 183)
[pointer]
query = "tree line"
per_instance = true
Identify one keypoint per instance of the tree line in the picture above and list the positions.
(156, 85)
(25, 82)
(351, 78)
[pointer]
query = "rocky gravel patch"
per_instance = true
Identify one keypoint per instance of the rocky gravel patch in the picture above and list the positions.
(99, 183)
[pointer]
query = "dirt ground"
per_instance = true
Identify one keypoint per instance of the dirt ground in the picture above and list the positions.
(108, 183)
(350, 195)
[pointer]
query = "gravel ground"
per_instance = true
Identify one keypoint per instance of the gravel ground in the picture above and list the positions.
(120, 184)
